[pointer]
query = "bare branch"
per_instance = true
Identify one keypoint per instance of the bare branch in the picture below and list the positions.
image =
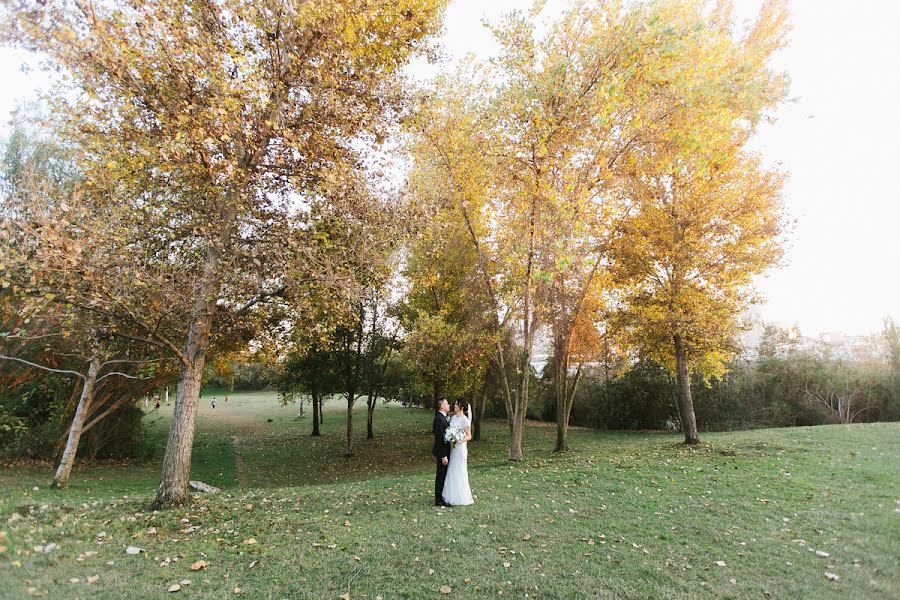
(37, 366)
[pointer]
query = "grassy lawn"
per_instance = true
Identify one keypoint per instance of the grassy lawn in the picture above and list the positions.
(624, 515)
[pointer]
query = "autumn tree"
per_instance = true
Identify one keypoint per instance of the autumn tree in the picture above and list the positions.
(445, 313)
(706, 214)
(48, 231)
(207, 121)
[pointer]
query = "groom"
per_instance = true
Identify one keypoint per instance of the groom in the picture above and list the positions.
(441, 450)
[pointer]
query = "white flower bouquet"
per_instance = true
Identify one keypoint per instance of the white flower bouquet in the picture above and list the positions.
(454, 435)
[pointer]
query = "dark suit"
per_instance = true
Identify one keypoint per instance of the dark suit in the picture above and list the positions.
(440, 450)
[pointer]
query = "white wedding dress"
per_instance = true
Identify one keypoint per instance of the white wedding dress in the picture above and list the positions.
(456, 486)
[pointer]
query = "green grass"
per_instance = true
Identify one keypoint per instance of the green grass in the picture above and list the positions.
(624, 515)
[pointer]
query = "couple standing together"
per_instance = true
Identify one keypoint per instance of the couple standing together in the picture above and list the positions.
(451, 483)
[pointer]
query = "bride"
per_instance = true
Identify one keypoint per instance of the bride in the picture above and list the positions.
(456, 486)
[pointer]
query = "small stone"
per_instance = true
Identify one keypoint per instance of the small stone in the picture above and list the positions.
(446, 589)
(174, 588)
(720, 563)
(132, 550)
(822, 554)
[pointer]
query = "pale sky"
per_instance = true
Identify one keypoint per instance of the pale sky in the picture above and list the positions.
(838, 141)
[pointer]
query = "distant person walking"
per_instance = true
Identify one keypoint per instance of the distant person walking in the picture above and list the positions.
(157, 403)
(213, 404)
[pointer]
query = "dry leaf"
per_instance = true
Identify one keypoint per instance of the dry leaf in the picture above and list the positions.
(832, 577)
(93, 579)
(250, 541)
(174, 588)
(720, 563)
(446, 589)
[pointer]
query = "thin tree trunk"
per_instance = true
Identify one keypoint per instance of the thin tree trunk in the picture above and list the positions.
(321, 409)
(64, 471)
(686, 403)
(317, 407)
(437, 391)
(479, 414)
(562, 422)
(370, 405)
(349, 449)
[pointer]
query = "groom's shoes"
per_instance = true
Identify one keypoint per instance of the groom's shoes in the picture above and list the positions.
(442, 504)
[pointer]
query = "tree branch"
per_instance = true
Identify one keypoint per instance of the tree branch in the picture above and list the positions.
(37, 366)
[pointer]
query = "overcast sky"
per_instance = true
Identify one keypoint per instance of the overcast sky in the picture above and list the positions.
(838, 140)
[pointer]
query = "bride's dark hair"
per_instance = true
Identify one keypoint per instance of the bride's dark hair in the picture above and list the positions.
(463, 404)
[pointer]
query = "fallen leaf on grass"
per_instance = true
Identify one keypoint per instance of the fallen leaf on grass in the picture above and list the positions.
(93, 579)
(822, 554)
(254, 563)
(250, 541)
(132, 550)
(200, 564)
(345, 596)
(446, 589)
(832, 577)
(174, 588)
(720, 563)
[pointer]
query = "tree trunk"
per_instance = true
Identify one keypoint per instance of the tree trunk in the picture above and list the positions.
(172, 490)
(560, 380)
(562, 423)
(686, 403)
(370, 405)
(317, 407)
(64, 471)
(349, 449)
(515, 445)
(478, 413)
(321, 409)
(437, 390)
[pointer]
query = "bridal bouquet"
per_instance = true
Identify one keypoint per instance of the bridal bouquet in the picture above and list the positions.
(454, 435)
